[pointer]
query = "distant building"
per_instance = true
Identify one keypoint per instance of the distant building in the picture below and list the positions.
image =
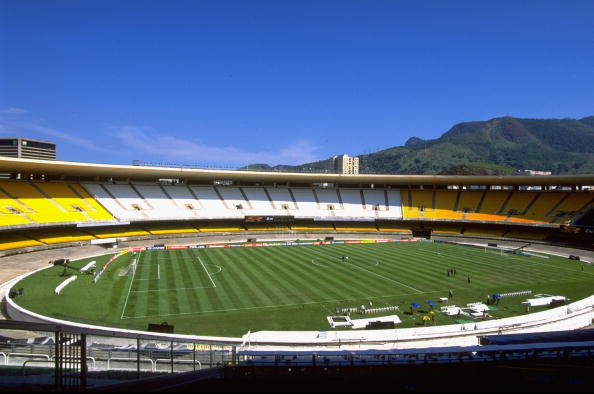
(534, 172)
(344, 164)
(25, 148)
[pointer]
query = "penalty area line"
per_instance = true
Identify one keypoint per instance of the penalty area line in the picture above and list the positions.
(214, 285)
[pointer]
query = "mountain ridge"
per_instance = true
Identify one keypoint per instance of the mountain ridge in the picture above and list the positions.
(498, 146)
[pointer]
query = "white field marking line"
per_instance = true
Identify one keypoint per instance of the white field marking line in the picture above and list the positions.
(172, 289)
(313, 261)
(381, 276)
(218, 266)
(549, 265)
(525, 260)
(169, 260)
(319, 265)
(285, 305)
(533, 261)
(157, 278)
(131, 283)
(181, 288)
(214, 285)
(328, 310)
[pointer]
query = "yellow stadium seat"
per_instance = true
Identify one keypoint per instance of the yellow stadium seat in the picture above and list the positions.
(519, 202)
(67, 198)
(220, 229)
(312, 228)
(416, 203)
(100, 213)
(370, 228)
(573, 204)
(445, 201)
(180, 229)
(117, 232)
(395, 230)
(469, 200)
(10, 241)
(280, 228)
(38, 207)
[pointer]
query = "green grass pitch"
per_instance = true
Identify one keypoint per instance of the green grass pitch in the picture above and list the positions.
(228, 291)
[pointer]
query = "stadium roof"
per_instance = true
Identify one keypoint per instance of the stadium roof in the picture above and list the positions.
(65, 169)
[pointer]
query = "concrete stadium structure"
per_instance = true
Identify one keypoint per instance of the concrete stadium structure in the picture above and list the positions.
(68, 209)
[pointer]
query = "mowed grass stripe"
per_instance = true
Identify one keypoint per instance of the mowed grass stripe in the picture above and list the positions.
(274, 272)
(360, 264)
(359, 284)
(127, 296)
(464, 266)
(226, 284)
(484, 272)
(320, 282)
(382, 264)
(424, 270)
(315, 283)
(402, 264)
(226, 281)
(289, 273)
(252, 264)
(334, 282)
(570, 273)
(516, 270)
(156, 303)
(255, 292)
(293, 274)
(522, 266)
(138, 304)
(168, 302)
(230, 288)
(353, 277)
(331, 282)
(189, 296)
(181, 301)
(211, 299)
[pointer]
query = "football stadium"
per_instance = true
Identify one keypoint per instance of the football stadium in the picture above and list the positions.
(278, 268)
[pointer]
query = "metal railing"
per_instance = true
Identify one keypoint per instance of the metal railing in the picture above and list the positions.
(72, 353)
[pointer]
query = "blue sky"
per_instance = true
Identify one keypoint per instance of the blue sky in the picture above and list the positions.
(227, 83)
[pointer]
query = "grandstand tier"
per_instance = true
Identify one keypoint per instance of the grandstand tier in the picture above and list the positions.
(147, 202)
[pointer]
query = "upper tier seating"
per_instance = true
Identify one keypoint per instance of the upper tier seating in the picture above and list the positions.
(161, 205)
(282, 200)
(43, 202)
(33, 203)
(306, 202)
(259, 202)
(213, 205)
